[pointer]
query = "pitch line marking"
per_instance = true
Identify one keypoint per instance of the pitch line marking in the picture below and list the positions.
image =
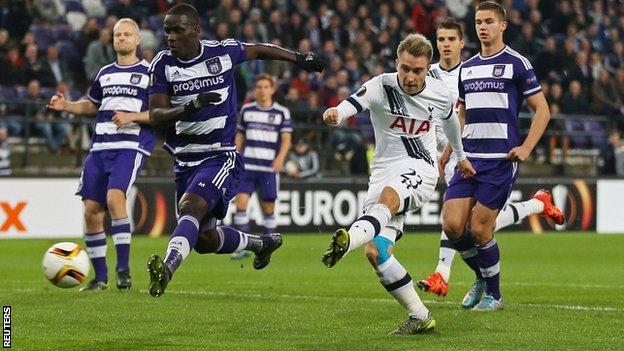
(377, 300)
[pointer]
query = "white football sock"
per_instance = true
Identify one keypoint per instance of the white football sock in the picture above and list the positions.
(399, 284)
(366, 227)
(445, 258)
(516, 212)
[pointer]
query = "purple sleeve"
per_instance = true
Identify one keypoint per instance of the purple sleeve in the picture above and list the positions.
(286, 122)
(95, 91)
(157, 80)
(236, 50)
(528, 82)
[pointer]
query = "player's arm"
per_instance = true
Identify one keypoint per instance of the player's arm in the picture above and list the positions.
(453, 126)
(122, 118)
(368, 95)
(308, 62)
(537, 103)
(162, 114)
(239, 140)
(285, 143)
(81, 108)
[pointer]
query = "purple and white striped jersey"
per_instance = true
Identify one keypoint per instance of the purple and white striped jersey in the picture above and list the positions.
(262, 127)
(492, 90)
(209, 131)
(121, 88)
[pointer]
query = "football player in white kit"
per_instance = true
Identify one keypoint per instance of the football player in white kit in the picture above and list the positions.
(403, 107)
(449, 39)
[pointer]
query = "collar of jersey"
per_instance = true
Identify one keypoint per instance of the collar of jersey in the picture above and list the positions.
(268, 108)
(450, 69)
(201, 52)
(128, 66)
(416, 93)
(493, 55)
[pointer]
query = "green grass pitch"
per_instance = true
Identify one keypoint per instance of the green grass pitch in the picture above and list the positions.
(562, 292)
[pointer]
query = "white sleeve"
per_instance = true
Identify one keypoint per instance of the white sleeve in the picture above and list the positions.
(368, 95)
(453, 134)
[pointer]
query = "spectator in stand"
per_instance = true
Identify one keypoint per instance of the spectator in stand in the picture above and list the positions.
(37, 68)
(4, 42)
(12, 69)
(605, 100)
(619, 83)
(52, 128)
(574, 101)
(612, 155)
(99, 54)
(302, 162)
(555, 94)
(124, 9)
(5, 152)
(59, 69)
(549, 60)
(615, 59)
(581, 71)
(526, 43)
(302, 84)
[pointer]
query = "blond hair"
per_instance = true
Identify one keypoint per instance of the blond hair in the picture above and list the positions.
(127, 20)
(416, 45)
(267, 77)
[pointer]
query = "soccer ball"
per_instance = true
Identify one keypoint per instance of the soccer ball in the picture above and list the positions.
(66, 265)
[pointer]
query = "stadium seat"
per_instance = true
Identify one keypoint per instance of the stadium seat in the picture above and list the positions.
(598, 139)
(572, 127)
(94, 8)
(73, 6)
(67, 49)
(155, 22)
(76, 19)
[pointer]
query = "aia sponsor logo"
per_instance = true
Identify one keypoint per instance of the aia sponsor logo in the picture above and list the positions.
(410, 125)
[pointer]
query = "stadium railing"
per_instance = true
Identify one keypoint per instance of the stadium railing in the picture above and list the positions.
(586, 135)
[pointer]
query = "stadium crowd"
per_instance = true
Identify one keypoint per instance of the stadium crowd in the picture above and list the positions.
(576, 46)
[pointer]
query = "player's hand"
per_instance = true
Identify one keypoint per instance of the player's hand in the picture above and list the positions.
(465, 168)
(122, 118)
(57, 102)
(277, 165)
(201, 100)
(330, 117)
(442, 161)
(309, 62)
(518, 154)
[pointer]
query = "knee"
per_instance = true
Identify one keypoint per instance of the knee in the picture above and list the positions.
(452, 229)
(481, 231)
(378, 250)
(189, 206)
(91, 216)
(371, 253)
(207, 242)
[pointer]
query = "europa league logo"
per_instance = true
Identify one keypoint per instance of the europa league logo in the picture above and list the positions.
(576, 202)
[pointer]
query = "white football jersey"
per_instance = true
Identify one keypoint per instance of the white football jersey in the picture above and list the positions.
(403, 123)
(450, 78)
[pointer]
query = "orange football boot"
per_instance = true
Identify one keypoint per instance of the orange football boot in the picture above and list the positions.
(550, 210)
(434, 284)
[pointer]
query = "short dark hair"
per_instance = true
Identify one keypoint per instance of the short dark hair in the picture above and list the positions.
(451, 23)
(185, 10)
(492, 6)
(265, 76)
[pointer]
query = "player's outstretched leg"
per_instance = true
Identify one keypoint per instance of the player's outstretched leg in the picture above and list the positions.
(182, 240)
(488, 256)
(541, 204)
(96, 250)
(361, 232)
(121, 234)
(437, 282)
(231, 241)
(241, 223)
(397, 281)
